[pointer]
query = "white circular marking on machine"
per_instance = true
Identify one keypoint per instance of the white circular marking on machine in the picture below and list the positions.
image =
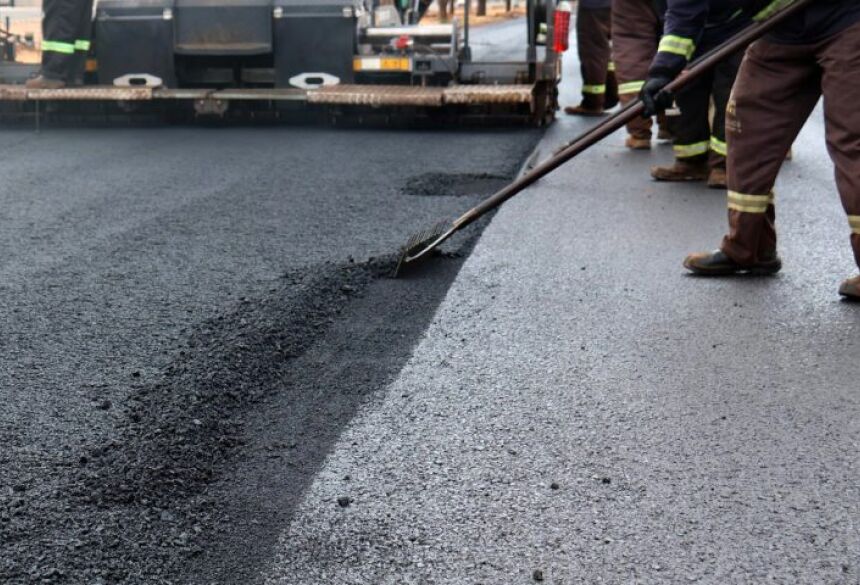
(313, 80)
(138, 80)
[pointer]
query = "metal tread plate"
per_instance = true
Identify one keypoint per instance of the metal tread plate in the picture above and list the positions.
(13, 93)
(344, 94)
(376, 95)
(284, 94)
(489, 94)
(102, 93)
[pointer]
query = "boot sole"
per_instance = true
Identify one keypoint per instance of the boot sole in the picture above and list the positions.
(759, 270)
(639, 146)
(684, 179)
(849, 294)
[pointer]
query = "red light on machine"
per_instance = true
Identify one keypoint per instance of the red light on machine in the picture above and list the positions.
(402, 42)
(561, 27)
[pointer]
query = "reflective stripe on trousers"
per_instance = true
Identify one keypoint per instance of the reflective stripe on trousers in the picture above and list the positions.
(630, 87)
(594, 89)
(719, 146)
(746, 203)
(690, 150)
(58, 47)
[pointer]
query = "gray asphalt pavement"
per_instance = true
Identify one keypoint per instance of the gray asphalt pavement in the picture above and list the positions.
(580, 411)
(207, 376)
(189, 316)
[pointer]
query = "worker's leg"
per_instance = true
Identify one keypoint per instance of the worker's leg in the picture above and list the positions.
(635, 35)
(611, 99)
(840, 60)
(692, 134)
(59, 32)
(82, 41)
(776, 90)
(724, 79)
(692, 137)
(592, 41)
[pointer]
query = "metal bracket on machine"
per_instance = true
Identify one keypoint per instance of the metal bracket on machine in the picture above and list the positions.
(209, 106)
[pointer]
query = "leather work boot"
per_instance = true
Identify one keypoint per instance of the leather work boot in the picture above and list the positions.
(43, 82)
(717, 178)
(716, 263)
(665, 134)
(582, 110)
(682, 170)
(850, 289)
(635, 143)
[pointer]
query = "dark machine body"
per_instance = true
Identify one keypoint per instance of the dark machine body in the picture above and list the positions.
(284, 54)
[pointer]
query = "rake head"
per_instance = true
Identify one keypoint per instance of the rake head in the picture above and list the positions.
(421, 243)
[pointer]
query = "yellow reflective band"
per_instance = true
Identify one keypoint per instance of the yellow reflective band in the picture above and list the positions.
(719, 146)
(611, 66)
(772, 9)
(750, 203)
(82, 45)
(677, 46)
(631, 87)
(58, 47)
(594, 89)
(854, 222)
(689, 150)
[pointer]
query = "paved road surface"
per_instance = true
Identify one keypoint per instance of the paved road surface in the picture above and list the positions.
(581, 409)
(201, 387)
(189, 316)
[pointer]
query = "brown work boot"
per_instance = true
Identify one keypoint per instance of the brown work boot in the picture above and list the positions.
(582, 110)
(717, 178)
(682, 170)
(43, 82)
(850, 289)
(637, 143)
(717, 263)
(665, 134)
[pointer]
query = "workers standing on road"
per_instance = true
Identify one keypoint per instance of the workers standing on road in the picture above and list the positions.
(781, 80)
(66, 30)
(700, 142)
(593, 33)
(636, 30)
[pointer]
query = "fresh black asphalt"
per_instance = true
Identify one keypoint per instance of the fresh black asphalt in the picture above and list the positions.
(165, 292)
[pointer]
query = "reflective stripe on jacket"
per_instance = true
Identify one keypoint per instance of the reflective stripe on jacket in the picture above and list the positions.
(687, 22)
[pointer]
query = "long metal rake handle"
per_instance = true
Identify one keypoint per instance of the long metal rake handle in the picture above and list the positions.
(627, 114)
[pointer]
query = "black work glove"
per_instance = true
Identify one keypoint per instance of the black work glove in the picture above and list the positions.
(654, 96)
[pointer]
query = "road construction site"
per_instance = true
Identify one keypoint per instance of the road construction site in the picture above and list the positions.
(209, 376)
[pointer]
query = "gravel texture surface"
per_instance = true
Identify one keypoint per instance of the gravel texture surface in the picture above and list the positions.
(579, 411)
(189, 317)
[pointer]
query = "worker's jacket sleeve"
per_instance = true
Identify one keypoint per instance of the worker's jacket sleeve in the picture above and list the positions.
(684, 22)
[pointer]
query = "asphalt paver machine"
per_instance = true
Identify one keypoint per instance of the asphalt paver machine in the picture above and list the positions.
(219, 57)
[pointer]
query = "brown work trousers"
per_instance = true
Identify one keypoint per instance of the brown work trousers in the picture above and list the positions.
(593, 31)
(697, 136)
(636, 32)
(777, 88)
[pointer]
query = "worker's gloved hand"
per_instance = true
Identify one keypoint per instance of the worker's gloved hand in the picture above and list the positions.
(654, 95)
